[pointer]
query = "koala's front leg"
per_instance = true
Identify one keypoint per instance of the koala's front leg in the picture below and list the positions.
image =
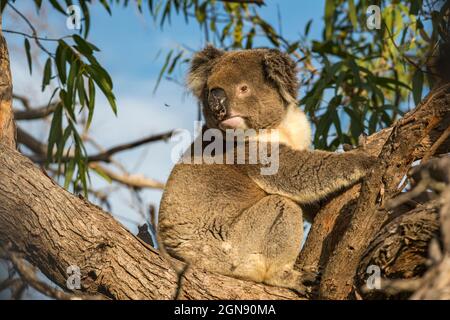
(308, 176)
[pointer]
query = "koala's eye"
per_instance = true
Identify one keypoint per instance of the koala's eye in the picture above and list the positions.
(243, 88)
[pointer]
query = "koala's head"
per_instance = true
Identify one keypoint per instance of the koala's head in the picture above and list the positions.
(243, 89)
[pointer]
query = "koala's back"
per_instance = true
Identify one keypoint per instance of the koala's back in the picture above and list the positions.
(200, 202)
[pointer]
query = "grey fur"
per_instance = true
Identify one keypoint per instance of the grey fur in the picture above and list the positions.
(230, 219)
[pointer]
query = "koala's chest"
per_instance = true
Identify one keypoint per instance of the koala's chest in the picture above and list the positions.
(205, 191)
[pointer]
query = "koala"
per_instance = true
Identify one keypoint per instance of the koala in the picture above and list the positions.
(229, 218)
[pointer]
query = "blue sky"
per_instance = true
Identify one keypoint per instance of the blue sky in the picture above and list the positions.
(129, 43)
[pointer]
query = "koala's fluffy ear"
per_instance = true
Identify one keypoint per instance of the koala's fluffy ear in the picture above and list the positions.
(281, 69)
(201, 65)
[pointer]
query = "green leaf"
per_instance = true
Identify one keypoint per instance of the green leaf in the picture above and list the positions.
(91, 102)
(308, 27)
(87, 18)
(373, 121)
(85, 47)
(55, 130)
(106, 6)
(355, 70)
(81, 91)
(415, 6)
(174, 62)
(104, 83)
(71, 89)
(28, 53)
(352, 14)
(68, 172)
(60, 60)
(250, 35)
(102, 174)
(4, 2)
(330, 8)
(163, 70)
(417, 82)
(47, 73)
(200, 13)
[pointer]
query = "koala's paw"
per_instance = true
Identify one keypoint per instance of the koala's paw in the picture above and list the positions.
(368, 162)
(308, 283)
(362, 144)
(361, 161)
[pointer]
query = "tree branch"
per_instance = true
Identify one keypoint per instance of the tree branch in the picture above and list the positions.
(28, 275)
(133, 181)
(409, 138)
(369, 213)
(7, 127)
(130, 180)
(36, 113)
(105, 156)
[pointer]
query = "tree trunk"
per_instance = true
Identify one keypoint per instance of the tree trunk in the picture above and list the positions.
(344, 227)
(7, 127)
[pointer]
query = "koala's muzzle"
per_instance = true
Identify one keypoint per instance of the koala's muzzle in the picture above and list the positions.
(218, 102)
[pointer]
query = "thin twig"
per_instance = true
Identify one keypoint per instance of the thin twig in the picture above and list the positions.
(30, 36)
(37, 113)
(106, 155)
(130, 180)
(33, 29)
(257, 2)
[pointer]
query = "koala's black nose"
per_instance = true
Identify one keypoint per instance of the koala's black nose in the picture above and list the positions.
(217, 101)
(218, 93)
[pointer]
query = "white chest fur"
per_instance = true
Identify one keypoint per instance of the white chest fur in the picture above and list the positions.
(294, 131)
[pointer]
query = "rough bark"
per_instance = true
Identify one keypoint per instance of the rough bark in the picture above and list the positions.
(400, 249)
(332, 219)
(7, 128)
(436, 282)
(343, 228)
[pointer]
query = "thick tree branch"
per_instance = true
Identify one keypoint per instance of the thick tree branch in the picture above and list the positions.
(369, 213)
(408, 139)
(436, 282)
(400, 249)
(7, 127)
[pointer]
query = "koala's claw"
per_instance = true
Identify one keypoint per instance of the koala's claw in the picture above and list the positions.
(362, 140)
(307, 291)
(308, 285)
(310, 278)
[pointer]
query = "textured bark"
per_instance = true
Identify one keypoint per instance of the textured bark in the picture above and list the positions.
(400, 249)
(333, 218)
(7, 128)
(343, 228)
(436, 282)
(55, 229)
